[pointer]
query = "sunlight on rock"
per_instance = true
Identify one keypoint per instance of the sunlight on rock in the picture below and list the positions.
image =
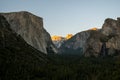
(69, 36)
(56, 38)
(94, 29)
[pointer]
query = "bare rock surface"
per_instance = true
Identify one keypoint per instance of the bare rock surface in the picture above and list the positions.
(30, 27)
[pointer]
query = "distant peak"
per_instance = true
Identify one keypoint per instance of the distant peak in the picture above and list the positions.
(24, 12)
(109, 20)
(69, 36)
(21, 13)
(58, 38)
(94, 29)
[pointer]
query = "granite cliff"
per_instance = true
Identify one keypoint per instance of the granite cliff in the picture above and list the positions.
(30, 28)
(18, 60)
(75, 44)
(96, 42)
(108, 37)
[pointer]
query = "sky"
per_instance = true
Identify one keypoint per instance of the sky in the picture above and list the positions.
(62, 17)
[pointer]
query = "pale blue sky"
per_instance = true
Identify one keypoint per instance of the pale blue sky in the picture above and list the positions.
(66, 16)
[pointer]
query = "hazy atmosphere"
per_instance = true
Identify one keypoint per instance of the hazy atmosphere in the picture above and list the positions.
(66, 16)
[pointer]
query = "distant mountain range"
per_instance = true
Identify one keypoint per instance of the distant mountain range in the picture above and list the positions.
(59, 40)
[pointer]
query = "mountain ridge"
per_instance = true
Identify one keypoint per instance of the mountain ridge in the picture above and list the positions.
(59, 40)
(90, 42)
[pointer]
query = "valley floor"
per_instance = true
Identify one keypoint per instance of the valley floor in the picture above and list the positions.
(74, 67)
(64, 67)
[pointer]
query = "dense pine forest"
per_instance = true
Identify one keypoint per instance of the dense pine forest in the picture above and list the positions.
(80, 68)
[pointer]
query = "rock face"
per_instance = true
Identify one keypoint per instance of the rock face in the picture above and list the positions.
(96, 42)
(93, 44)
(68, 36)
(109, 36)
(112, 28)
(30, 27)
(18, 60)
(59, 40)
(75, 44)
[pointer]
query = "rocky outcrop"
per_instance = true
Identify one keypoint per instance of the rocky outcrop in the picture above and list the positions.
(108, 36)
(30, 27)
(93, 44)
(68, 36)
(112, 28)
(59, 40)
(75, 44)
